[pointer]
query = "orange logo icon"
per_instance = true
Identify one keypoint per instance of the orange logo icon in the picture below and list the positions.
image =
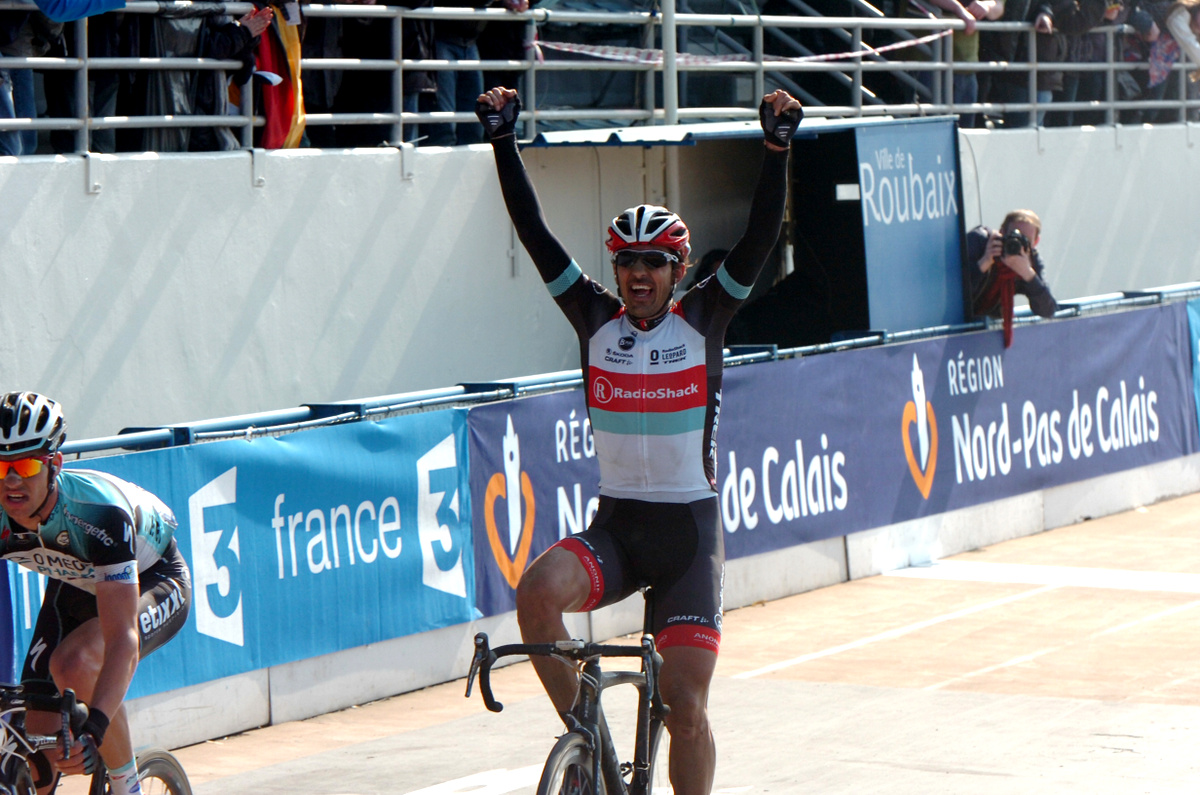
(512, 485)
(919, 412)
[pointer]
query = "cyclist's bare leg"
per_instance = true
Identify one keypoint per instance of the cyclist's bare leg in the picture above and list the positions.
(684, 681)
(556, 583)
(76, 663)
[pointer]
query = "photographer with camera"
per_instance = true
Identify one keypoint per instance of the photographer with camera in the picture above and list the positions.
(1001, 263)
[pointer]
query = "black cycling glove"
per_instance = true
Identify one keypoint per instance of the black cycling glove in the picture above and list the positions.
(780, 129)
(91, 737)
(499, 123)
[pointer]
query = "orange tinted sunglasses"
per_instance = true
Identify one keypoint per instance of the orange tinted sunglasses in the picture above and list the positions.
(25, 467)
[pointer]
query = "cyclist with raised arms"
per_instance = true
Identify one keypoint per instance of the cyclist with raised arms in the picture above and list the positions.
(652, 369)
(119, 587)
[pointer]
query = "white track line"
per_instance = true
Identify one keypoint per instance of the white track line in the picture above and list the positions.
(891, 634)
(1024, 658)
(1070, 576)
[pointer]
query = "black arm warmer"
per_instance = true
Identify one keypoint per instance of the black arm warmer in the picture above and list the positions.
(547, 252)
(746, 258)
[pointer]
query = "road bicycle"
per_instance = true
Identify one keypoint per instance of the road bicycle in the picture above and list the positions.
(158, 770)
(584, 760)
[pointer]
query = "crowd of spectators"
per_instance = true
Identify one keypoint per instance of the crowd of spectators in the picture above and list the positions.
(1067, 33)
(270, 41)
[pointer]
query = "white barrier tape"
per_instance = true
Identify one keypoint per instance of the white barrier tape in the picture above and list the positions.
(655, 57)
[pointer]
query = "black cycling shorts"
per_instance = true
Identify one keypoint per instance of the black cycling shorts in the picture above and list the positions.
(166, 600)
(677, 549)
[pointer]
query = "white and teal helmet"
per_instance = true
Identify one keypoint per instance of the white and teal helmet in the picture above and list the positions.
(30, 424)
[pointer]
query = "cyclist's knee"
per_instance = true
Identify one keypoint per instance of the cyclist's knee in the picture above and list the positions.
(553, 585)
(688, 718)
(75, 665)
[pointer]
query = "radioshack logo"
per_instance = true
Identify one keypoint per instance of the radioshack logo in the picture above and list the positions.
(602, 391)
(919, 412)
(515, 488)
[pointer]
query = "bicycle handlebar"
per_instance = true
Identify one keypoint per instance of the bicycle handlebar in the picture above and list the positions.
(569, 651)
(72, 711)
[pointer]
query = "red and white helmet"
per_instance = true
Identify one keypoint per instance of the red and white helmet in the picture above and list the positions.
(649, 224)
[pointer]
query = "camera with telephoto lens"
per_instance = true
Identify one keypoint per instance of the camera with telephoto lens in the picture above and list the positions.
(1014, 243)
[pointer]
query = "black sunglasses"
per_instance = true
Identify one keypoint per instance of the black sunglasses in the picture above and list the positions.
(651, 259)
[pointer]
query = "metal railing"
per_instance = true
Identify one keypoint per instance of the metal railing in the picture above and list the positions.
(284, 421)
(656, 69)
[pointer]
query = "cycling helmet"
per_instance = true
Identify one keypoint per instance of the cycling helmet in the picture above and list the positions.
(649, 224)
(30, 424)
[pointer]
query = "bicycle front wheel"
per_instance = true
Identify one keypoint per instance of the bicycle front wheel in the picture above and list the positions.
(659, 780)
(161, 774)
(569, 769)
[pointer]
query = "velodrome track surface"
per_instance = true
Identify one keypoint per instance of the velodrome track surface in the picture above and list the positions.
(1066, 662)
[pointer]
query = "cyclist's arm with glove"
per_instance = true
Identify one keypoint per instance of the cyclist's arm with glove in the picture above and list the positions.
(548, 253)
(780, 116)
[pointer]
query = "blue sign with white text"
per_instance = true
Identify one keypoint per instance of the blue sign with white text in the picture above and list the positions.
(912, 228)
(822, 446)
(306, 544)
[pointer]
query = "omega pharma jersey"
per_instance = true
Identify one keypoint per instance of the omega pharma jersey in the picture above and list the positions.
(102, 529)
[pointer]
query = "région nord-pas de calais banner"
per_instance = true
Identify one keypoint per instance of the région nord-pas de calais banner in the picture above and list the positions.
(304, 544)
(822, 446)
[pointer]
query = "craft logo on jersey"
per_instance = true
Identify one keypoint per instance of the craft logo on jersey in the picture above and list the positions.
(516, 489)
(919, 412)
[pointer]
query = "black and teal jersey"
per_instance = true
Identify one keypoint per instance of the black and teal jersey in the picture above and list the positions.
(102, 529)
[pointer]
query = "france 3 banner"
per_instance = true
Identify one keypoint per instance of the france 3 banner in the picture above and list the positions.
(827, 445)
(303, 544)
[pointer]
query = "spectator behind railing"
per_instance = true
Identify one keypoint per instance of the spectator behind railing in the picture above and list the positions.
(186, 93)
(1086, 47)
(22, 34)
(456, 40)
(39, 33)
(1179, 23)
(995, 46)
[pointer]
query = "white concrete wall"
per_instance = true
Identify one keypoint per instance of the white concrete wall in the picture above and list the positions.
(184, 291)
(355, 676)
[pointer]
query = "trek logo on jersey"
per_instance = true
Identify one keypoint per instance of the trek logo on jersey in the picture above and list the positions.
(511, 553)
(668, 355)
(919, 412)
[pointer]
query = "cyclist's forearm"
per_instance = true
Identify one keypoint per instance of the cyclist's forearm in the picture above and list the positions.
(548, 254)
(746, 258)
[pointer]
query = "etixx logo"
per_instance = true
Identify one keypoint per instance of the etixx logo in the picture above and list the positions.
(919, 412)
(515, 487)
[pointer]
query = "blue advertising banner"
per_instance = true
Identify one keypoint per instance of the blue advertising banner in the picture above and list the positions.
(305, 544)
(822, 446)
(912, 227)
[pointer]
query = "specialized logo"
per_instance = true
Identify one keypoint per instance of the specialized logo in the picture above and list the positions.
(512, 485)
(919, 412)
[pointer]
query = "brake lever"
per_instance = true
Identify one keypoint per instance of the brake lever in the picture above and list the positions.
(66, 708)
(481, 665)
